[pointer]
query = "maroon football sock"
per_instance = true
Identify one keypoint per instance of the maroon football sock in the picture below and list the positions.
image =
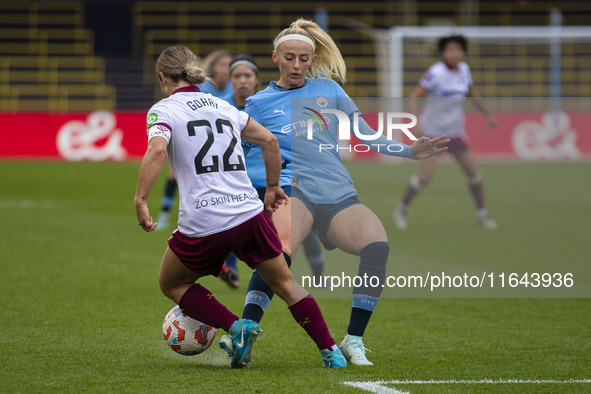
(477, 193)
(200, 304)
(308, 315)
(409, 194)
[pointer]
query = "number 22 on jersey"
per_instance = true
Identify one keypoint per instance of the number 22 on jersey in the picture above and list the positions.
(211, 149)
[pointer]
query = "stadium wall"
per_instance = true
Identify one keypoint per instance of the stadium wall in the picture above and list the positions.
(119, 136)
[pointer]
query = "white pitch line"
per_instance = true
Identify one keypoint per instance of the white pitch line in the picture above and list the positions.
(375, 387)
(378, 386)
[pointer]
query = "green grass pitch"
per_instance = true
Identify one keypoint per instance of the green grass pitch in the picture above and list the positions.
(81, 309)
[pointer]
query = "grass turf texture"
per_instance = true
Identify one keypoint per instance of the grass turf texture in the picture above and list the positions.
(81, 309)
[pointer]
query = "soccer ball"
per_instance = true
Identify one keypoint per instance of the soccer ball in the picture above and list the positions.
(186, 335)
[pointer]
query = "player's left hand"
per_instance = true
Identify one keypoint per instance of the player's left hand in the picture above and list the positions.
(426, 147)
(274, 197)
(144, 219)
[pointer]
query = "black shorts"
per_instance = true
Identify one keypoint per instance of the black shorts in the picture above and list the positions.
(323, 214)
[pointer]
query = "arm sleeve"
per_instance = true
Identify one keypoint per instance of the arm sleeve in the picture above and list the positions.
(242, 119)
(159, 130)
(428, 79)
(158, 116)
(253, 112)
(246, 146)
(252, 109)
(344, 102)
(469, 75)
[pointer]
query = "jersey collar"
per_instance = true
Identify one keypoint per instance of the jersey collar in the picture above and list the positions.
(273, 84)
(187, 89)
(450, 69)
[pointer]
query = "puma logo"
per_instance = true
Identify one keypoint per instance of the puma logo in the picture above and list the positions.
(279, 111)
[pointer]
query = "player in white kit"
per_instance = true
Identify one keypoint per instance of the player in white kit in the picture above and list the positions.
(445, 85)
(220, 211)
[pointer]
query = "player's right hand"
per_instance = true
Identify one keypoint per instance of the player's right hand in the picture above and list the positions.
(274, 197)
(144, 219)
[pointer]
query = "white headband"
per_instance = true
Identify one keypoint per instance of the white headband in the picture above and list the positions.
(299, 37)
(245, 62)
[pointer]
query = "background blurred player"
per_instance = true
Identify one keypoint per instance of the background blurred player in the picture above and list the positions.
(323, 197)
(181, 127)
(244, 77)
(217, 66)
(167, 202)
(445, 85)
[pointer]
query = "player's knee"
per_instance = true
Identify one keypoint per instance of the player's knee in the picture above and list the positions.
(167, 290)
(281, 286)
(164, 286)
(418, 182)
(476, 179)
(374, 258)
(278, 280)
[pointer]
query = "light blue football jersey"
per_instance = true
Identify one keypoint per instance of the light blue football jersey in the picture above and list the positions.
(272, 107)
(288, 113)
(209, 87)
(230, 99)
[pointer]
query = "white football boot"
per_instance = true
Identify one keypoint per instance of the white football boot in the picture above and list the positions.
(354, 351)
(400, 220)
(488, 223)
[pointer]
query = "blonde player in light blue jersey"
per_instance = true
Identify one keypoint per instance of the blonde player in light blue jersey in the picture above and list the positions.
(217, 67)
(445, 85)
(244, 75)
(323, 197)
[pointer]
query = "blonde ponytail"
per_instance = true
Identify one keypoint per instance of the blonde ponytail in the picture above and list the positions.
(194, 73)
(179, 63)
(329, 62)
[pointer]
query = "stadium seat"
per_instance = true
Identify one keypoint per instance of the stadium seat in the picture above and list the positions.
(47, 59)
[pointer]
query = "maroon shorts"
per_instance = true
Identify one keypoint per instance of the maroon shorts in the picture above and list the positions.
(253, 241)
(457, 145)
